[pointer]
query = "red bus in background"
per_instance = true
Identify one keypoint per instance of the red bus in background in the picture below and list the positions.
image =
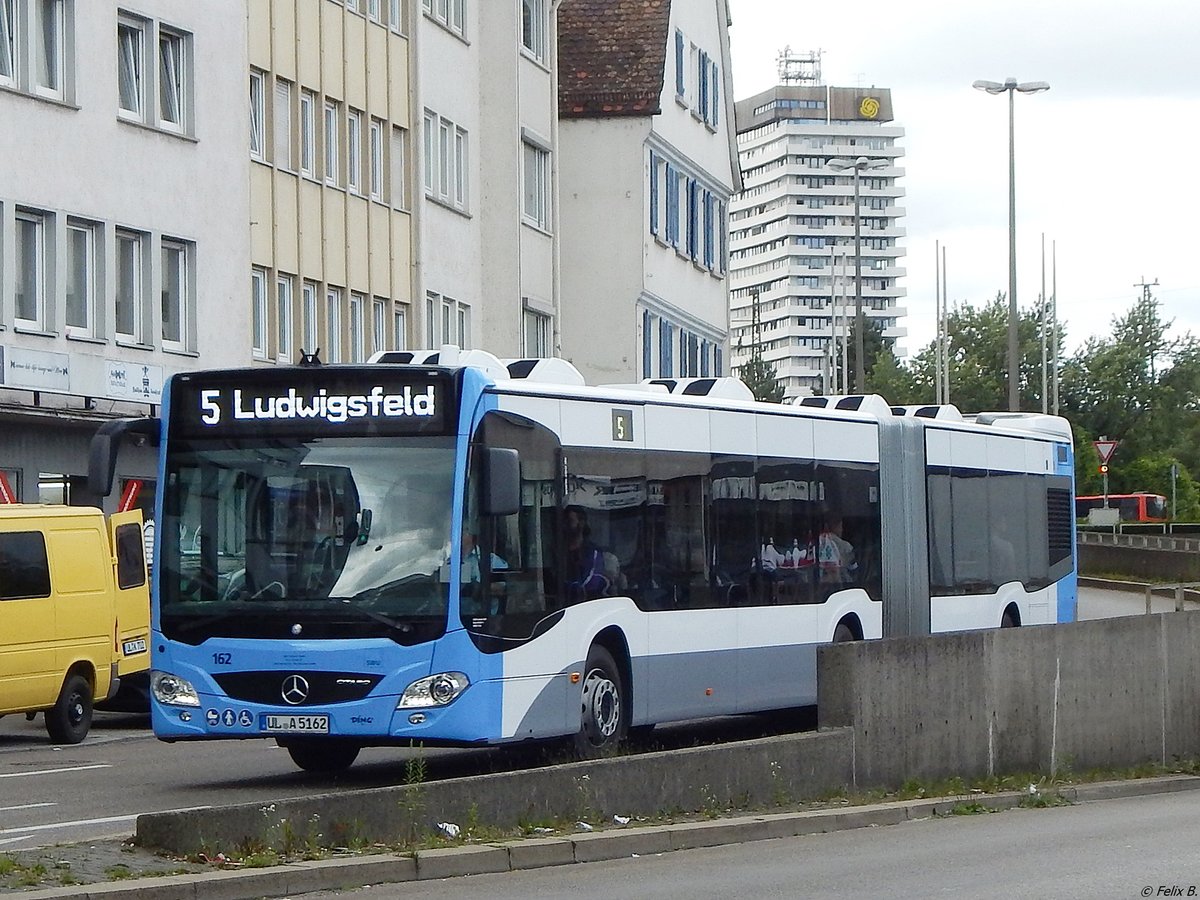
(1136, 507)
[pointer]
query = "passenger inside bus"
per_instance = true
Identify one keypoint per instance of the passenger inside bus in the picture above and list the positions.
(585, 561)
(835, 554)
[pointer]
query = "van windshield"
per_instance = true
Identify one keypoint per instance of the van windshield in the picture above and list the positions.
(333, 537)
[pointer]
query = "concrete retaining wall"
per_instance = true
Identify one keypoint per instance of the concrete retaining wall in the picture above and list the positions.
(1100, 694)
(1139, 562)
(746, 774)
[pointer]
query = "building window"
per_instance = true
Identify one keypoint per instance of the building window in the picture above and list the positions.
(399, 168)
(375, 153)
(378, 325)
(537, 188)
(308, 133)
(400, 327)
(446, 155)
(129, 299)
(309, 325)
(537, 333)
(357, 335)
(333, 323)
(283, 317)
(81, 279)
(283, 125)
(258, 127)
(431, 330)
(138, 82)
(460, 168)
(332, 117)
(258, 313)
(647, 344)
(174, 294)
(131, 66)
(172, 78)
(354, 150)
(49, 46)
(533, 28)
(373, 10)
(680, 72)
(463, 314)
(8, 45)
(31, 270)
(450, 14)
(396, 16)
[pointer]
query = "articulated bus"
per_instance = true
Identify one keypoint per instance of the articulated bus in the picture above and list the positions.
(1137, 507)
(444, 548)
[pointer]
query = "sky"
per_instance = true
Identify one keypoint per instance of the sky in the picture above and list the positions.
(1106, 160)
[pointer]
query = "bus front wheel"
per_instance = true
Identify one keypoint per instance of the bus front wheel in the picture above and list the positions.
(322, 754)
(603, 723)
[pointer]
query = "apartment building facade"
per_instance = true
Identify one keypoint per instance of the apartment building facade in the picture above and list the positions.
(330, 228)
(792, 246)
(123, 222)
(649, 163)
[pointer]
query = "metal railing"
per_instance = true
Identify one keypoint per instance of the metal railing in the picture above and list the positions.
(1178, 589)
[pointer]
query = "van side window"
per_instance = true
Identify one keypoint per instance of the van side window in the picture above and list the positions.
(131, 557)
(25, 566)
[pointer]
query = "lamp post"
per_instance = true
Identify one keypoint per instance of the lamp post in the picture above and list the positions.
(1012, 86)
(858, 165)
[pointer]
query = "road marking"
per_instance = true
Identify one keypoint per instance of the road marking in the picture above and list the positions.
(56, 771)
(25, 806)
(107, 820)
(23, 837)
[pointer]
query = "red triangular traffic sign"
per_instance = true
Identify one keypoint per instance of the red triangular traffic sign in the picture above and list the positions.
(1105, 449)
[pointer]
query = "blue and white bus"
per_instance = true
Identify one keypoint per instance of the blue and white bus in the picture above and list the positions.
(450, 549)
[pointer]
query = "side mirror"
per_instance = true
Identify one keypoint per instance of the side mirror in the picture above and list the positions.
(102, 454)
(501, 482)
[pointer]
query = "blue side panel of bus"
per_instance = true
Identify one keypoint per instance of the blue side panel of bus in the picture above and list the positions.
(1068, 588)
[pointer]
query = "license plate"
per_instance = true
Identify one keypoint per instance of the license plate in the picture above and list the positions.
(129, 648)
(309, 724)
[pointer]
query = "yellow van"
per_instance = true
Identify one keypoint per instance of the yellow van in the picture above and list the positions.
(74, 612)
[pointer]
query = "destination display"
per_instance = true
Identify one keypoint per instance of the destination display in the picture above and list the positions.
(312, 403)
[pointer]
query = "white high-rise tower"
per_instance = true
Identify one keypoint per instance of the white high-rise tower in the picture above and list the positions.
(792, 235)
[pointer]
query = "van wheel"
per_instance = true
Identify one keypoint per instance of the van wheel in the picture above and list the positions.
(322, 755)
(69, 719)
(602, 718)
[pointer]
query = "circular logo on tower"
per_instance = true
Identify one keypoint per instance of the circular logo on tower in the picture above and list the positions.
(868, 107)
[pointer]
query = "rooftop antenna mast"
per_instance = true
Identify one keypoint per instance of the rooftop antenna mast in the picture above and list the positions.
(799, 68)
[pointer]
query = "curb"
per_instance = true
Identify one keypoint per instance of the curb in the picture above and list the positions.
(448, 862)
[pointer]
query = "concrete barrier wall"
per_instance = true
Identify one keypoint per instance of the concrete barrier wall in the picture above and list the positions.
(1139, 563)
(1101, 694)
(746, 774)
(1109, 693)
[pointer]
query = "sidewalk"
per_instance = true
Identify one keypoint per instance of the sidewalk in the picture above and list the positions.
(98, 866)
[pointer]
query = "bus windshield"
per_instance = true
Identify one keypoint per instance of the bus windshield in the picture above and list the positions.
(321, 538)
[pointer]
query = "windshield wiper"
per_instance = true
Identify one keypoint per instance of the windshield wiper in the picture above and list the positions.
(349, 603)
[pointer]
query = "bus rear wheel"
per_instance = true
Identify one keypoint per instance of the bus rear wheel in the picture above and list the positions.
(69, 719)
(602, 712)
(325, 755)
(843, 633)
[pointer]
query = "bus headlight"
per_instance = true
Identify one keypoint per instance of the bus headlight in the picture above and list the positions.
(173, 690)
(436, 690)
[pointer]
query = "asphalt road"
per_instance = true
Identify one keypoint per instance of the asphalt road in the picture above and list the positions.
(1123, 849)
(61, 794)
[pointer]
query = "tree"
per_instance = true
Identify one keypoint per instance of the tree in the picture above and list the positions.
(759, 375)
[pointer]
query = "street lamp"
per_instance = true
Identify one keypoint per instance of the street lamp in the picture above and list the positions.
(1011, 86)
(858, 165)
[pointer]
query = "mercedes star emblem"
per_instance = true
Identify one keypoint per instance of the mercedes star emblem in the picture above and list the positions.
(294, 690)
